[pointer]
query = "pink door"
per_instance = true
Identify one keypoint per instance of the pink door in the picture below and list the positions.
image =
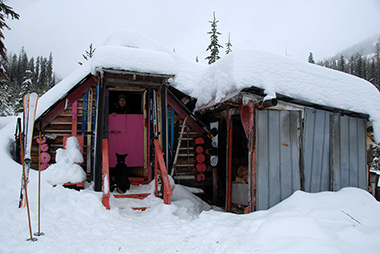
(126, 135)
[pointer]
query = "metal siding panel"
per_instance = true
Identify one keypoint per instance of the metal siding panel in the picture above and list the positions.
(353, 153)
(308, 146)
(349, 153)
(262, 153)
(316, 150)
(325, 170)
(362, 159)
(277, 156)
(274, 160)
(295, 132)
(344, 152)
(316, 176)
(285, 145)
(335, 152)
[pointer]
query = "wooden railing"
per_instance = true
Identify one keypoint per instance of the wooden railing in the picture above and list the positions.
(161, 171)
(105, 175)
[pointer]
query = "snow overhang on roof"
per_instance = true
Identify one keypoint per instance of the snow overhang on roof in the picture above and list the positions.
(288, 77)
(132, 51)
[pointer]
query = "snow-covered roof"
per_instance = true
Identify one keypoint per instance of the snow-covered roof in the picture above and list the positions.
(132, 51)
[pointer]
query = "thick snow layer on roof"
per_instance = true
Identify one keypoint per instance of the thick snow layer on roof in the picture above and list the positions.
(133, 51)
(276, 74)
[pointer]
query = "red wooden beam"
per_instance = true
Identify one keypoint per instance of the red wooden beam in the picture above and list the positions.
(183, 114)
(68, 100)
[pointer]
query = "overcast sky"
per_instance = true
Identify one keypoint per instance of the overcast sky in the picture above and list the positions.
(292, 27)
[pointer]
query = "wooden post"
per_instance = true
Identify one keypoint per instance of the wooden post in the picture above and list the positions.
(229, 161)
(74, 118)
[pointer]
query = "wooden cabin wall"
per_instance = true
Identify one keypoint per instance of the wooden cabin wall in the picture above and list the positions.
(60, 127)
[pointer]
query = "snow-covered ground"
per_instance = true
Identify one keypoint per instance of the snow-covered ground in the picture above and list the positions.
(76, 221)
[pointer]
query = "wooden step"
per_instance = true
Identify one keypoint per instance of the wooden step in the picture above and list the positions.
(140, 208)
(134, 196)
(138, 180)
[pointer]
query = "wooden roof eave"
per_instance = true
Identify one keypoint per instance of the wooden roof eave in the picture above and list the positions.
(71, 96)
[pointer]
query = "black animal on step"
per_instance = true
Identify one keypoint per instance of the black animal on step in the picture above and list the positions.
(119, 175)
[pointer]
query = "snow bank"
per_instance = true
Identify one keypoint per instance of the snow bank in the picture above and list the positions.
(77, 222)
(65, 170)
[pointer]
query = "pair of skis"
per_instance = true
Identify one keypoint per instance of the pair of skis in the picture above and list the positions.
(26, 138)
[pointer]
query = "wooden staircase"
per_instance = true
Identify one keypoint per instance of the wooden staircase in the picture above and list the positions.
(160, 174)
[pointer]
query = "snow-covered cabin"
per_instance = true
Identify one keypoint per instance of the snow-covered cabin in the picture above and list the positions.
(263, 127)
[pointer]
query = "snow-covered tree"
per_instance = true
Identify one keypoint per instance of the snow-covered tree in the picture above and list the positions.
(5, 12)
(311, 59)
(228, 45)
(214, 42)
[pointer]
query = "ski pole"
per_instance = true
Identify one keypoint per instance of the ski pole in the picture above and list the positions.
(39, 233)
(26, 192)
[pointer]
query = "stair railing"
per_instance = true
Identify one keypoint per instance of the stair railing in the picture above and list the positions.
(160, 170)
(105, 175)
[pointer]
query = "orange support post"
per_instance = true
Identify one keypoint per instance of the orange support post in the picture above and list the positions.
(105, 175)
(160, 168)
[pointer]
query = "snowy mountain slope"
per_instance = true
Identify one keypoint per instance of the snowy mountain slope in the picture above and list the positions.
(364, 48)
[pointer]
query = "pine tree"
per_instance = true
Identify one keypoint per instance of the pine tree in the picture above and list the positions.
(214, 42)
(358, 69)
(377, 59)
(88, 53)
(49, 71)
(342, 64)
(228, 44)
(352, 64)
(5, 11)
(311, 59)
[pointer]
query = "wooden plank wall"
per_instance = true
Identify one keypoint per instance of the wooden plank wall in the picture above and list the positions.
(60, 127)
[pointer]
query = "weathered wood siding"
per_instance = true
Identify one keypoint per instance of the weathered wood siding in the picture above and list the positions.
(59, 128)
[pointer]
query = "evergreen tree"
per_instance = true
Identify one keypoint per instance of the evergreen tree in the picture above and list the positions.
(49, 71)
(352, 64)
(228, 44)
(311, 59)
(214, 42)
(358, 69)
(5, 12)
(377, 67)
(24, 76)
(342, 64)
(90, 53)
